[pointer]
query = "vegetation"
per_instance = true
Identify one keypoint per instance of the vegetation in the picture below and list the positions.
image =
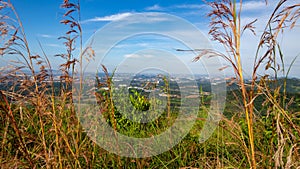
(39, 128)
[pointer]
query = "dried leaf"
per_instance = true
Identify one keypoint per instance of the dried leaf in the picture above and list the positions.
(250, 27)
(65, 21)
(224, 67)
(71, 31)
(34, 57)
(69, 12)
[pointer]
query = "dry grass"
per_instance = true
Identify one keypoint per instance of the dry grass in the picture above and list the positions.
(226, 28)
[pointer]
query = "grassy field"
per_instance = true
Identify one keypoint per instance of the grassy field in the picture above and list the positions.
(39, 125)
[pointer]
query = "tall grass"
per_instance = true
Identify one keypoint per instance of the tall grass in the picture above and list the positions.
(39, 127)
(226, 28)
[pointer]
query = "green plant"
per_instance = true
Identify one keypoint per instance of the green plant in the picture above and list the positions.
(139, 101)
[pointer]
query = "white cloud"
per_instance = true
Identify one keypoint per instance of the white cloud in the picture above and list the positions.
(128, 45)
(138, 20)
(134, 55)
(130, 18)
(254, 5)
(54, 45)
(46, 36)
(189, 6)
(148, 56)
(113, 17)
(155, 7)
(131, 56)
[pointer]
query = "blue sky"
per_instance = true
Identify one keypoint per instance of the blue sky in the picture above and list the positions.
(41, 18)
(41, 23)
